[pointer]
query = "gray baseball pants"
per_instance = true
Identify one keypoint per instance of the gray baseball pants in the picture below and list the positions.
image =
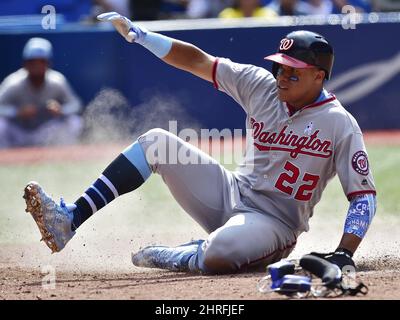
(240, 236)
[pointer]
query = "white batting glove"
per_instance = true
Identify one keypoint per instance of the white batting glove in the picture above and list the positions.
(125, 27)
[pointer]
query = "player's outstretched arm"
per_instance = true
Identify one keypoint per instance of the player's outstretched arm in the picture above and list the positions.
(359, 216)
(177, 53)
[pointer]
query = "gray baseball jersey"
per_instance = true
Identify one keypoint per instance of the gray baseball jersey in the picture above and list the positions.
(291, 156)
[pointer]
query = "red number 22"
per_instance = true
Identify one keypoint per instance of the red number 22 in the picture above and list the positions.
(304, 192)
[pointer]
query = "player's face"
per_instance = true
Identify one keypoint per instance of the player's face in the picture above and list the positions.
(299, 87)
(36, 67)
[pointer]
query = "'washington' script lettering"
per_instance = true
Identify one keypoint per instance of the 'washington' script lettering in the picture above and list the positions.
(287, 141)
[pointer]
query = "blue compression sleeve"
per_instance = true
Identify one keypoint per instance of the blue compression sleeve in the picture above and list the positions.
(361, 212)
(158, 44)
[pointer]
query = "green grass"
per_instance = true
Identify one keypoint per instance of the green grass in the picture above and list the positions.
(384, 162)
(152, 206)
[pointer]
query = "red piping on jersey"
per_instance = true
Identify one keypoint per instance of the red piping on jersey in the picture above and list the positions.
(269, 148)
(292, 110)
(357, 193)
(273, 252)
(214, 73)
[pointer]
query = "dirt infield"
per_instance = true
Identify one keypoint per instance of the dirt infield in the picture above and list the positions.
(27, 284)
(93, 267)
(381, 277)
(24, 274)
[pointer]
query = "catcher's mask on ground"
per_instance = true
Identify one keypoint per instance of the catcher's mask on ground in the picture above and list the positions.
(303, 50)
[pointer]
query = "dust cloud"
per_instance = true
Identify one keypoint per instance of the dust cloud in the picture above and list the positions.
(110, 118)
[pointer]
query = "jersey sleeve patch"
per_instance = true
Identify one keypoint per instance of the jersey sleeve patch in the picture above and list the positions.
(360, 163)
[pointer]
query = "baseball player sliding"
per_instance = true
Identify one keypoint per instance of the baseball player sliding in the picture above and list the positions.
(301, 137)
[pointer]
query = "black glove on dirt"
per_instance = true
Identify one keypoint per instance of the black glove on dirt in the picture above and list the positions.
(341, 257)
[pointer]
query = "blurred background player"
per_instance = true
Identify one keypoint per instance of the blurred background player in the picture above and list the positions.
(37, 104)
